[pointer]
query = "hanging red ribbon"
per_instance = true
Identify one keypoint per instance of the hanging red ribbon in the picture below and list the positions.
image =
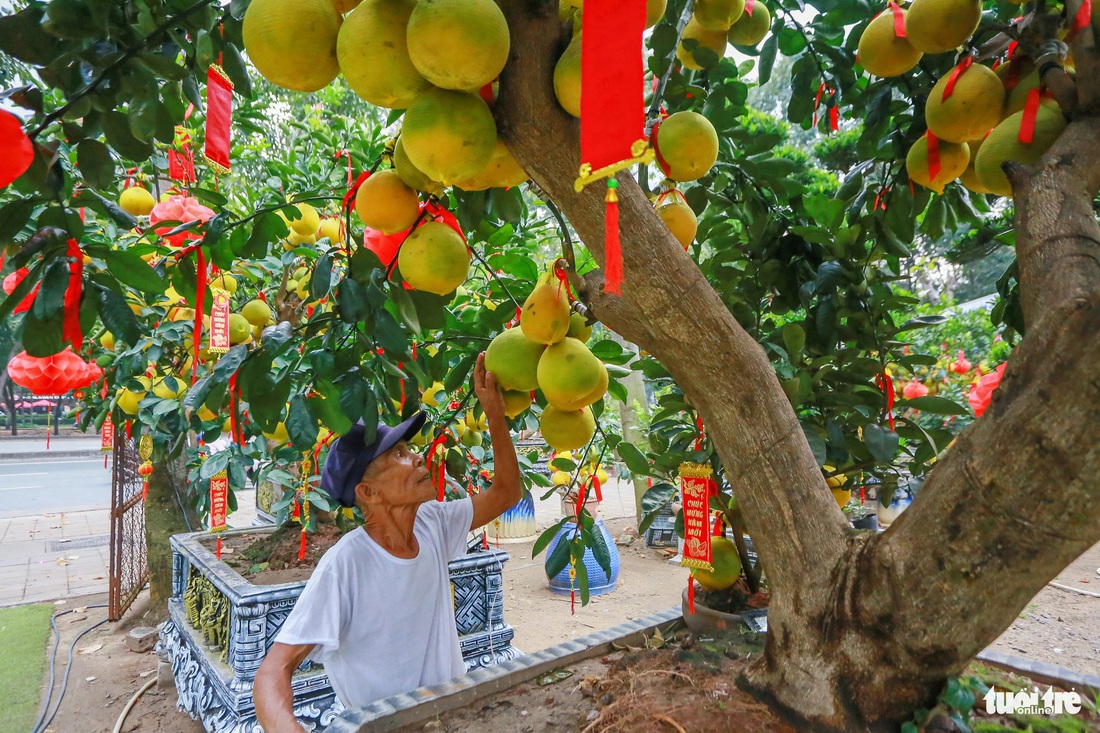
(1082, 19)
(717, 531)
(749, 5)
(219, 118)
(342, 153)
(16, 149)
(834, 114)
(563, 278)
(933, 156)
(701, 435)
(691, 594)
(71, 332)
(885, 383)
(598, 487)
(200, 303)
(1031, 110)
(958, 71)
(302, 545)
(612, 247)
(348, 203)
(653, 143)
(899, 19)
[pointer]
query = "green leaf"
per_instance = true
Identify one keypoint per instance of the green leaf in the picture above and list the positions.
(116, 126)
(545, 538)
(117, 316)
(600, 551)
(922, 322)
(95, 163)
(794, 339)
(131, 270)
(300, 424)
(657, 498)
(559, 558)
(577, 553)
(767, 59)
(881, 442)
(14, 216)
(934, 405)
(214, 465)
(633, 458)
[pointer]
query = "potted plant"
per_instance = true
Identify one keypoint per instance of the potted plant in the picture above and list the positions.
(860, 515)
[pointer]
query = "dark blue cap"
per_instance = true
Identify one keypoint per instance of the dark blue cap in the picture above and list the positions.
(348, 457)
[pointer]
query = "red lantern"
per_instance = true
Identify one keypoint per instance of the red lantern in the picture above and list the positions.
(48, 375)
(914, 389)
(981, 393)
(181, 209)
(11, 282)
(16, 149)
(961, 365)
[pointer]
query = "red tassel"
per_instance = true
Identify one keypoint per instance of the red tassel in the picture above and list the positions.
(572, 602)
(899, 20)
(105, 460)
(933, 156)
(691, 594)
(484, 540)
(144, 490)
(128, 434)
(958, 71)
(612, 249)
(1031, 110)
(598, 488)
(219, 550)
(200, 303)
(219, 118)
(71, 326)
(302, 545)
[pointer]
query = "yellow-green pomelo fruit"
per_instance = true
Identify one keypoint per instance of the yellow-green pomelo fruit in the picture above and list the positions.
(680, 220)
(714, 40)
(307, 223)
(332, 228)
(385, 203)
(433, 394)
(458, 44)
(578, 328)
(972, 110)
(953, 160)
(503, 171)
(515, 402)
(514, 360)
(374, 55)
(937, 26)
(258, 313)
(881, 52)
(689, 145)
(718, 15)
(1016, 99)
(750, 30)
(434, 259)
(345, 6)
(169, 387)
(107, 341)
(279, 434)
(136, 201)
(568, 373)
(412, 176)
(292, 43)
(449, 135)
(567, 77)
(654, 11)
(601, 386)
(969, 177)
(545, 315)
(567, 430)
(240, 330)
(726, 564)
(1003, 144)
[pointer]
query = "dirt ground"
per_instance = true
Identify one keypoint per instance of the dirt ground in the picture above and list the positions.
(1058, 627)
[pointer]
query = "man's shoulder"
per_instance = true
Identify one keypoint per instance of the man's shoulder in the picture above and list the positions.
(344, 551)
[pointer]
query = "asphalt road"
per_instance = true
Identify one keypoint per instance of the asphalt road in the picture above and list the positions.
(48, 486)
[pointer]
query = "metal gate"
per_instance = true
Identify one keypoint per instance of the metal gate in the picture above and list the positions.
(129, 563)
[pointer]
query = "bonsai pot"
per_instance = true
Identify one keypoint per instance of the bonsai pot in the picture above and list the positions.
(707, 620)
(598, 582)
(867, 522)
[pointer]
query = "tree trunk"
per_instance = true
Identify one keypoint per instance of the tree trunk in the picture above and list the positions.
(166, 515)
(864, 629)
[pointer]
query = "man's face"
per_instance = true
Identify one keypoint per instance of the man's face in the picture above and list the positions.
(399, 477)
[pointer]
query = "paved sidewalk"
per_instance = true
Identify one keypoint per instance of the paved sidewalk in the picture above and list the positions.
(12, 449)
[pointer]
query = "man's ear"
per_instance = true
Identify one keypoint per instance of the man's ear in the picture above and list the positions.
(364, 493)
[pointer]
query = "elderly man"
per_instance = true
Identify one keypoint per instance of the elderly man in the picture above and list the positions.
(377, 611)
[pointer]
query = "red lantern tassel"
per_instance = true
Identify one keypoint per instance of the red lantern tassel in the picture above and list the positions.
(572, 602)
(302, 545)
(219, 550)
(105, 460)
(71, 327)
(613, 252)
(144, 490)
(691, 594)
(484, 540)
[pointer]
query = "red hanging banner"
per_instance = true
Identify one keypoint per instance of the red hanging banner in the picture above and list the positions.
(219, 501)
(219, 323)
(219, 117)
(107, 435)
(71, 332)
(695, 482)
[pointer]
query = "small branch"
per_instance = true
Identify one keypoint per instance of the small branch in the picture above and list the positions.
(393, 262)
(492, 273)
(659, 92)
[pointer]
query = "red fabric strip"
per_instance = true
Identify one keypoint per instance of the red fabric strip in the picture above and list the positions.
(71, 332)
(661, 162)
(612, 81)
(348, 203)
(1031, 110)
(749, 5)
(691, 594)
(933, 156)
(958, 71)
(563, 278)
(219, 116)
(599, 489)
(899, 20)
(200, 304)
(302, 545)
(1082, 19)
(717, 532)
(834, 118)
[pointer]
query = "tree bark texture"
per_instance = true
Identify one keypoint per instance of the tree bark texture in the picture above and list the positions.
(165, 516)
(863, 629)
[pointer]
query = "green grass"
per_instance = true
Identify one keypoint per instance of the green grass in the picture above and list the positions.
(24, 633)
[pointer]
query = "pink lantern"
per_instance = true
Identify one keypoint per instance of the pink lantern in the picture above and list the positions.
(981, 393)
(180, 209)
(11, 282)
(914, 389)
(961, 365)
(55, 374)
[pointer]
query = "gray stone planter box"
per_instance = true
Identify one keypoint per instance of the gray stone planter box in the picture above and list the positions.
(215, 662)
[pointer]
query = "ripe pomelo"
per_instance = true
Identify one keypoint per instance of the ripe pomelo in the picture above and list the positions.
(240, 330)
(1003, 144)
(598, 391)
(412, 176)
(169, 387)
(332, 229)
(449, 135)
(568, 373)
(567, 77)
(385, 203)
(502, 172)
(225, 282)
(432, 394)
(279, 434)
(434, 259)
(458, 44)
(969, 177)
(726, 563)
(714, 40)
(107, 341)
(579, 328)
(654, 11)
(545, 315)
(292, 43)
(718, 15)
(750, 30)
(954, 158)
(937, 26)
(306, 224)
(972, 110)
(514, 360)
(567, 430)
(679, 218)
(258, 313)
(515, 402)
(881, 52)
(136, 201)
(688, 146)
(374, 55)
(560, 478)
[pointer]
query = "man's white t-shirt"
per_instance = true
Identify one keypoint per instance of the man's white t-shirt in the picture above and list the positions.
(383, 624)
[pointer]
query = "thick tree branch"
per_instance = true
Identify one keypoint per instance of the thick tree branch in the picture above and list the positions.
(669, 309)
